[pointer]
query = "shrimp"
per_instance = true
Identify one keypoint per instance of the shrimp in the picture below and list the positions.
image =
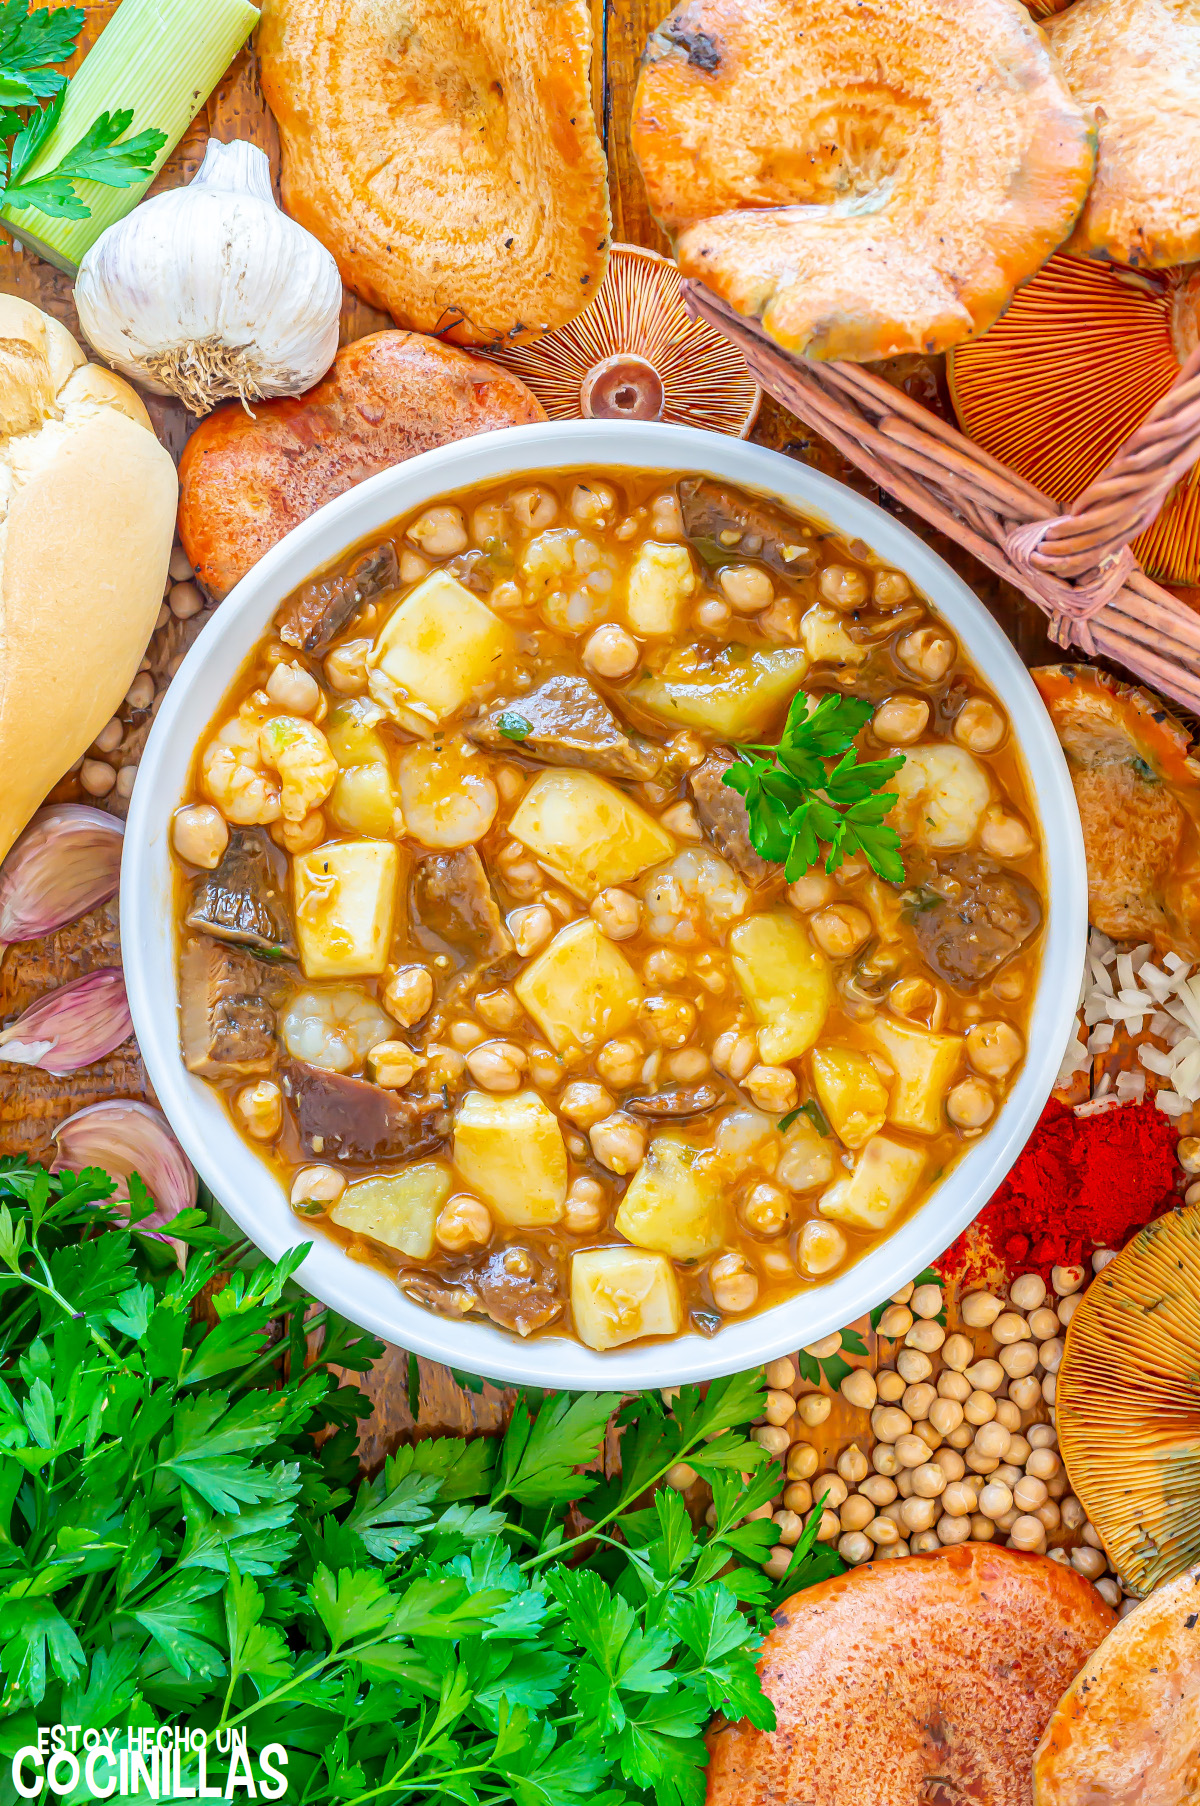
(231, 772)
(446, 793)
(942, 794)
(300, 753)
(335, 1029)
(695, 888)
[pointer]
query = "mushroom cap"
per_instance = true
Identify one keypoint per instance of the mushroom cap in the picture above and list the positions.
(636, 353)
(1137, 62)
(1056, 387)
(1128, 1402)
(900, 1674)
(446, 153)
(1138, 790)
(1127, 1730)
(865, 180)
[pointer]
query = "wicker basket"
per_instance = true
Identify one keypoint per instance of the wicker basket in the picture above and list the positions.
(1076, 566)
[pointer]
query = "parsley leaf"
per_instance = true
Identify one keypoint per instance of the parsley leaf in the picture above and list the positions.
(796, 805)
(514, 726)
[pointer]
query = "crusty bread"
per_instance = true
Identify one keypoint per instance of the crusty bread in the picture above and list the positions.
(87, 514)
(249, 480)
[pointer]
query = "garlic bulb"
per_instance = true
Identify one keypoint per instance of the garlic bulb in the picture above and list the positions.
(210, 291)
(123, 1138)
(80, 1023)
(66, 862)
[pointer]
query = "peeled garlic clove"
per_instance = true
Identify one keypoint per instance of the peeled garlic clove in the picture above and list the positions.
(66, 862)
(74, 1026)
(123, 1137)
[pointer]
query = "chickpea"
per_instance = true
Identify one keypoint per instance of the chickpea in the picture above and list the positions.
(260, 1108)
(680, 820)
(1042, 1464)
(841, 929)
(774, 1439)
(1024, 1394)
(746, 588)
(900, 720)
(926, 1301)
(671, 1020)
(592, 504)
(734, 1283)
(498, 1065)
(955, 1386)
(844, 588)
(619, 1143)
(1004, 836)
(412, 566)
(775, 1089)
(584, 1103)
(883, 1460)
(957, 1352)
(979, 1310)
(611, 652)
(811, 891)
(1008, 1414)
(912, 1366)
(198, 834)
(969, 1104)
(530, 928)
(393, 1064)
(1008, 986)
(140, 693)
(960, 1498)
(294, 688)
(826, 1346)
(821, 1247)
(1050, 1354)
(734, 1053)
(619, 1063)
(1028, 1292)
(664, 966)
(466, 1034)
(710, 616)
(299, 836)
(314, 1187)
(1010, 1326)
(1019, 1359)
(891, 588)
(927, 653)
(408, 995)
(801, 1462)
(687, 1064)
(993, 1048)
(345, 667)
(586, 1207)
(1027, 1533)
(1066, 1280)
(440, 532)
(917, 1399)
(856, 1513)
(925, 1336)
(533, 508)
(110, 736)
(463, 1223)
(766, 1211)
(889, 1423)
(992, 1441)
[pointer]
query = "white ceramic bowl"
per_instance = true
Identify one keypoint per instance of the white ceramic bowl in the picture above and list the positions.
(240, 1179)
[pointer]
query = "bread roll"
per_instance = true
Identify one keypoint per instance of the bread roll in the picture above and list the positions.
(87, 516)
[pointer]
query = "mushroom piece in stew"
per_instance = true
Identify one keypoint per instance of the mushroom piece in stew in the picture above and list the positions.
(479, 948)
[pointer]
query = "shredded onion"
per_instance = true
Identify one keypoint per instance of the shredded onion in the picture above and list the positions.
(1124, 987)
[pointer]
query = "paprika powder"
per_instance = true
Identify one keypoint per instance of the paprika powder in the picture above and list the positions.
(1079, 1183)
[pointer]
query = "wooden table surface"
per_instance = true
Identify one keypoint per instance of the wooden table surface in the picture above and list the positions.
(33, 1103)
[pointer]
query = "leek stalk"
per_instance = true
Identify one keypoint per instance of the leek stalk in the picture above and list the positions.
(163, 58)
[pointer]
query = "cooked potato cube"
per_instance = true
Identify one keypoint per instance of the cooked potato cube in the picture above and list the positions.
(352, 733)
(438, 649)
(580, 990)
(673, 1205)
(586, 832)
(363, 801)
(925, 1064)
(619, 1294)
(808, 1158)
(850, 1092)
(661, 579)
(738, 695)
(345, 895)
(823, 632)
(785, 981)
(882, 1182)
(398, 1210)
(510, 1150)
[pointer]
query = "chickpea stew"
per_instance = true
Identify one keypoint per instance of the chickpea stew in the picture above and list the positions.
(479, 949)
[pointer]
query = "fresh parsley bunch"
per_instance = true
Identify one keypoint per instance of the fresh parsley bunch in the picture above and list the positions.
(796, 804)
(32, 93)
(185, 1538)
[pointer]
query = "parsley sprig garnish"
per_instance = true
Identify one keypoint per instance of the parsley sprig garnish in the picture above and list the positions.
(32, 93)
(797, 803)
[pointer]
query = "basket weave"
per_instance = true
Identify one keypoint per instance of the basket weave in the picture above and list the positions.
(1076, 566)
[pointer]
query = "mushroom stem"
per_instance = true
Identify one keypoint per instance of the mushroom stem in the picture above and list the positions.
(623, 387)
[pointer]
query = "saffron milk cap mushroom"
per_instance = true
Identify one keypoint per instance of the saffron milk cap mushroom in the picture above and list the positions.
(928, 1678)
(1126, 1402)
(864, 180)
(1128, 1727)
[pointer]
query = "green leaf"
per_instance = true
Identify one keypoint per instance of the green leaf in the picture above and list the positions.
(256, 1649)
(537, 1463)
(514, 726)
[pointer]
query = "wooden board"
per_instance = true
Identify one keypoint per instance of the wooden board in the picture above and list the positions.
(32, 1103)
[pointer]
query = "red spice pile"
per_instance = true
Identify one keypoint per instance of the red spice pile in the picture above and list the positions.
(1080, 1182)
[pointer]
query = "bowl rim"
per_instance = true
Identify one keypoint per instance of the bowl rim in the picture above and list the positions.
(241, 1180)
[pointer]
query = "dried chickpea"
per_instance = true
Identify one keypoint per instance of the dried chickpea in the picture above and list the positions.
(896, 1321)
(856, 1513)
(813, 1408)
(889, 1422)
(781, 1406)
(853, 1465)
(771, 1437)
(980, 1309)
(1028, 1291)
(917, 1399)
(1043, 1323)
(1008, 1414)
(891, 1386)
(919, 1513)
(1019, 1359)
(797, 1496)
(801, 1463)
(954, 1385)
(912, 1365)
(855, 1547)
(925, 1335)
(958, 1351)
(781, 1373)
(980, 1408)
(1066, 1280)
(859, 1387)
(1010, 1327)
